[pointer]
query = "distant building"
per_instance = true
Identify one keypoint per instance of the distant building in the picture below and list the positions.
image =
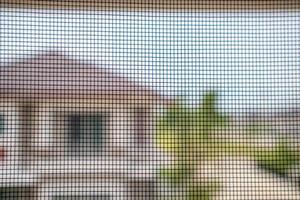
(284, 121)
(75, 131)
(241, 178)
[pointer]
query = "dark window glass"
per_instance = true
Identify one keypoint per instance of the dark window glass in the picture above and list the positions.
(14, 193)
(140, 127)
(86, 131)
(2, 124)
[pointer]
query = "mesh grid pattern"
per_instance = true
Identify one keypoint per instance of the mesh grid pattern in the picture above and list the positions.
(195, 100)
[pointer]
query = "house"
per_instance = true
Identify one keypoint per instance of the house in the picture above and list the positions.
(71, 130)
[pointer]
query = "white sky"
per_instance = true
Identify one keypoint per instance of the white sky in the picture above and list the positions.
(252, 59)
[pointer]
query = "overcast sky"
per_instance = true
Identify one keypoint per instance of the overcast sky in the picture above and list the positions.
(251, 59)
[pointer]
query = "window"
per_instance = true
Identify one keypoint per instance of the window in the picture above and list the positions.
(140, 120)
(1, 124)
(15, 193)
(86, 131)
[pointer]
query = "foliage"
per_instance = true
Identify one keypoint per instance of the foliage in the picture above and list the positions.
(188, 132)
(181, 125)
(279, 159)
(200, 192)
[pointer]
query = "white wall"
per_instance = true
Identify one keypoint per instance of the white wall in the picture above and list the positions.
(50, 124)
(44, 138)
(50, 127)
(120, 153)
(10, 138)
(83, 187)
(121, 137)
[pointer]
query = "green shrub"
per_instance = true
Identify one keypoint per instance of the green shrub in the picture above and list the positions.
(280, 158)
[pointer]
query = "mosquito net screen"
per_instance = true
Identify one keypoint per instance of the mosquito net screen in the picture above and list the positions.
(154, 100)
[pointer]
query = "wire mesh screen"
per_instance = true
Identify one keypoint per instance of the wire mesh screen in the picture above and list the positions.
(195, 100)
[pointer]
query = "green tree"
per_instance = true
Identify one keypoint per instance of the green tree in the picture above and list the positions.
(193, 128)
